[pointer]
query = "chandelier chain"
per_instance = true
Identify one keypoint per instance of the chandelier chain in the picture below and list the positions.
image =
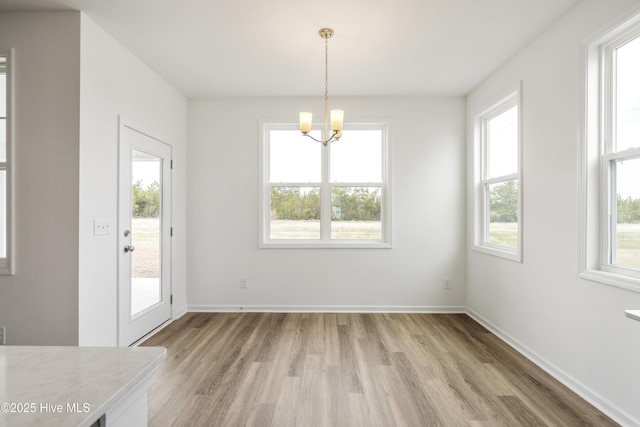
(326, 68)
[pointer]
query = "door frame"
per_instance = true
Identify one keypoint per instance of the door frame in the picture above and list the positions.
(126, 338)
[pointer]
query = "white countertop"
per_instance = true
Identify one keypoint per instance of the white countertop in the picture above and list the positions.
(69, 386)
(633, 314)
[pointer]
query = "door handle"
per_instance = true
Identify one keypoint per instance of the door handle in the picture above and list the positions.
(129, 248)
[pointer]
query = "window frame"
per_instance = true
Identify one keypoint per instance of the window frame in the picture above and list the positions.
(597, 192)
(325, 186)
(482, 207)
(7, 264)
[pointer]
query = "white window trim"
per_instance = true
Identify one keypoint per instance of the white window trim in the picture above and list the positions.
(324, 242)
(481, 208)
(7, 264)
(594, 164)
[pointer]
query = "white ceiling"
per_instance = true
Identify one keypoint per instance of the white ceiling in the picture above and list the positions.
(272, 47)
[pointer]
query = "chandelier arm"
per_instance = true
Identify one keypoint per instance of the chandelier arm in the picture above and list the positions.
(316, 140)
(334, 137)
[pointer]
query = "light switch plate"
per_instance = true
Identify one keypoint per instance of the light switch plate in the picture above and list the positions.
(101, 227)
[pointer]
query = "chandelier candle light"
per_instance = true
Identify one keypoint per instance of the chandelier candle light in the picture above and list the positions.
(337, 116)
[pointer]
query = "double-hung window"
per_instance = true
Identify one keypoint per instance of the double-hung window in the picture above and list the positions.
(6, 238)
(611, 163)
(498, 222)
(334, 196)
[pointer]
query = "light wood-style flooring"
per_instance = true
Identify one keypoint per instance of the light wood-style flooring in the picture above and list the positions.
(304, 369)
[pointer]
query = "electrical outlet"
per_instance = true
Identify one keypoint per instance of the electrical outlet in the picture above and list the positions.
(445, 283)
(244, 282)
(3, 335)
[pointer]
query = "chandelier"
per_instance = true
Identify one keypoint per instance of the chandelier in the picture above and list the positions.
(337, 116)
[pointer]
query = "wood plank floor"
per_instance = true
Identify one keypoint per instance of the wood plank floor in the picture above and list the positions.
(304, 369)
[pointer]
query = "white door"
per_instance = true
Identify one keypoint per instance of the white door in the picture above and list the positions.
(144, 231)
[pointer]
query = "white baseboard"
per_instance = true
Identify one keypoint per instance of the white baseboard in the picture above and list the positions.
(179, 312)
(593, 398)
(326, 309)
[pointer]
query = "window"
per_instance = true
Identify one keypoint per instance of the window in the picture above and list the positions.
(611, 159)
(6, 239)
(334, 196)
(498, 222)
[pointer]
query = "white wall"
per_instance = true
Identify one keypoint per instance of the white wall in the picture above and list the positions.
(114, 82)
(39, 304)
(428, 181)
(575, 328)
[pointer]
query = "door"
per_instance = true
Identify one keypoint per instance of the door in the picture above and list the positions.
(144, 230)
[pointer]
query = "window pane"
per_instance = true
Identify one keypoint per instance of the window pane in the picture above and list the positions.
(3, 89)
(628, 95)
(357, 157)
(3, 214)
(502, 146)
(355, 213)
(146, 202)
(3, 140)
(3, 110)
(627, 227)
(294, 157)
(503, 213)
(295, 213)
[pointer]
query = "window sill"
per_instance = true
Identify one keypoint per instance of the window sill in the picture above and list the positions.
(611, 279)
(325, 245)
(633, 314)
(498, 252)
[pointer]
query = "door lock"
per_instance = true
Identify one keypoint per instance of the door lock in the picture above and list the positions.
(129, 248)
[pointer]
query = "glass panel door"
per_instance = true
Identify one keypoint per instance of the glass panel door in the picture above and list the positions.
(144, 227)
